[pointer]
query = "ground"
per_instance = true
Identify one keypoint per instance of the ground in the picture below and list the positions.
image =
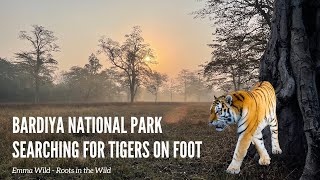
(181, 122)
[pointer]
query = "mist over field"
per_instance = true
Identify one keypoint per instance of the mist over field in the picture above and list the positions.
(54, 58)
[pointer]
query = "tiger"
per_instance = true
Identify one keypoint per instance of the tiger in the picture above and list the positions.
(252, 111)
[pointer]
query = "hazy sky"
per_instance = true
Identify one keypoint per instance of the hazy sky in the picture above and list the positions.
(179, 40)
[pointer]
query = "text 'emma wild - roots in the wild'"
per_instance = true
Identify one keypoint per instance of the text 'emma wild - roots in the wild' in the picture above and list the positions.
(97, 149)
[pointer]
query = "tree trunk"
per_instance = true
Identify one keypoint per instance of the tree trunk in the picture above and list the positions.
(36, 92)
(131, 94)
(289, 63)
(37, 70)
(36, 78)
(132, 86)
(185, 91)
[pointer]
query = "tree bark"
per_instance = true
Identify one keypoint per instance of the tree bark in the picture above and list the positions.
(37, 71)
(289, 63)
(132, 85)
(36, 92)
(131, 94)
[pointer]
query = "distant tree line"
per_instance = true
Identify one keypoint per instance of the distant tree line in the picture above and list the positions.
(31, 76)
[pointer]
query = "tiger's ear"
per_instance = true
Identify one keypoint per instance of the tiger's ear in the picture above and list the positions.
(229, 99)
(214, 97)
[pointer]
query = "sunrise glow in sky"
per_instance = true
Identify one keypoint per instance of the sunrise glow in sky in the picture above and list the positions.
(179, 41)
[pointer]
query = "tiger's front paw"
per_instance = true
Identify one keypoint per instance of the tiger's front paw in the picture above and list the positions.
(233, 169)
(276, 150)
(264, 161)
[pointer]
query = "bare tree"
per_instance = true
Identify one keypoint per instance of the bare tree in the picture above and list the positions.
(189, 84)
(93, 68)
(184, 79)
(94, 65)
(39, 60)
(155, 82)
(130, 58)
(291, 63)
(172, 88)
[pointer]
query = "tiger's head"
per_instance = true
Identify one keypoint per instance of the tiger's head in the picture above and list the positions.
(223, 112)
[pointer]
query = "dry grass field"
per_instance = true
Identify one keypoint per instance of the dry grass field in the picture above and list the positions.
(181, 121)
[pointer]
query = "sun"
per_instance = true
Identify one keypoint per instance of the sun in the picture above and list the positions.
(148, 58)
